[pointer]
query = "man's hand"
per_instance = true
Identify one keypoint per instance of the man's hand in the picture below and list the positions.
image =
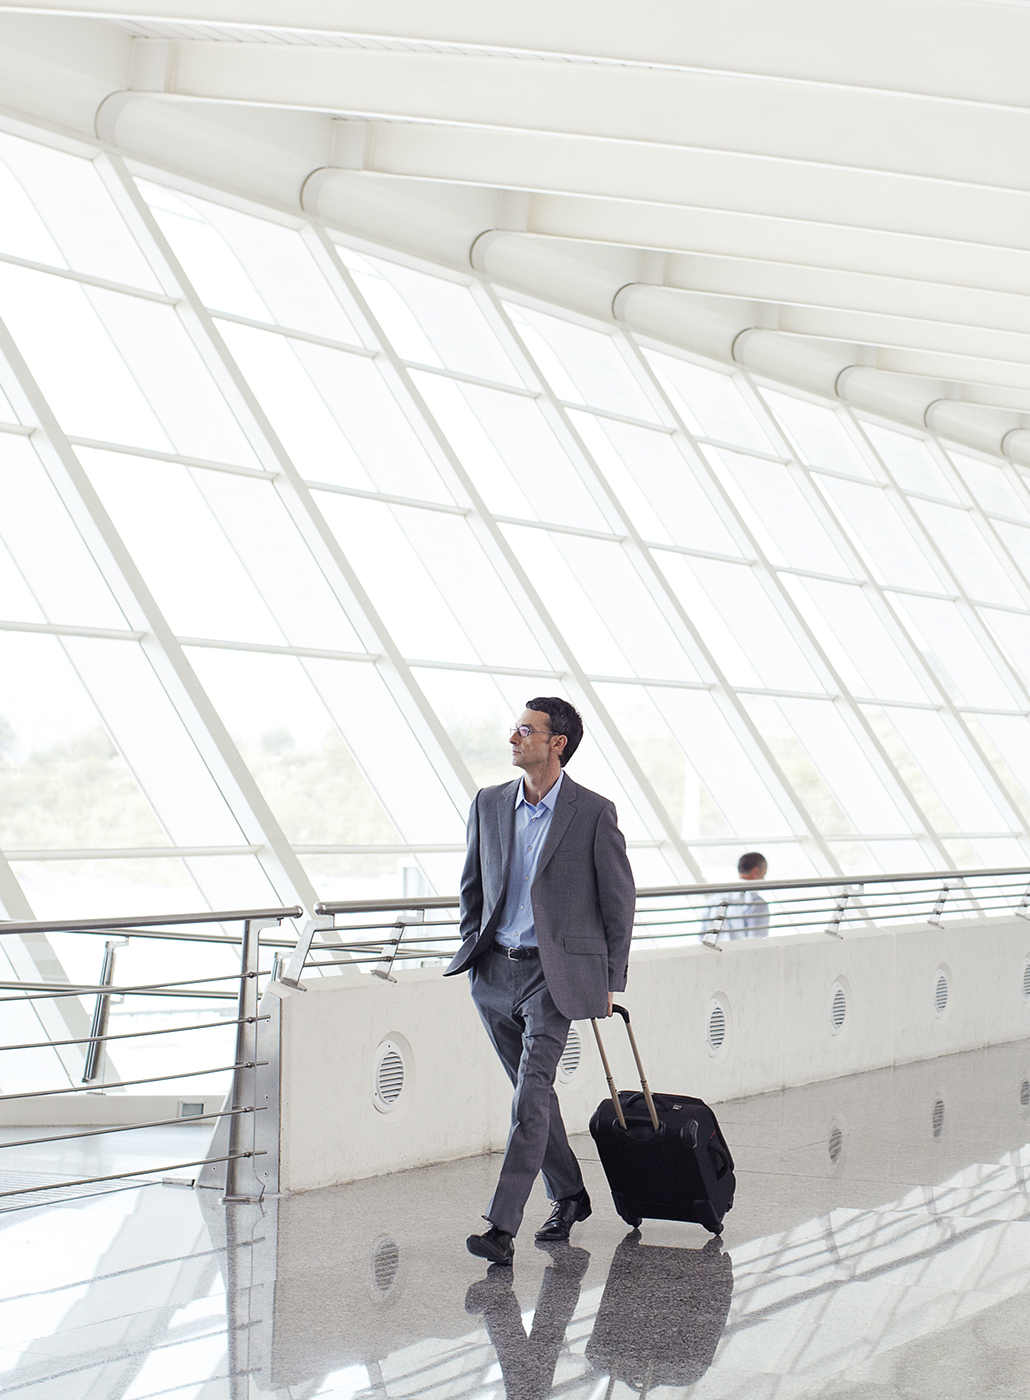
(611, 1003)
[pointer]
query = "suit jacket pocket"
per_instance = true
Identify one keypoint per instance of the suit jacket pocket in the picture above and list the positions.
(597, 946)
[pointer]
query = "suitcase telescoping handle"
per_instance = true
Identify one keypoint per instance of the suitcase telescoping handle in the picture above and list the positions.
(621, 1011)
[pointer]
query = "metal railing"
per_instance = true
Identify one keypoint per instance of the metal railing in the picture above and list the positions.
(242, 1159)
(377, 936)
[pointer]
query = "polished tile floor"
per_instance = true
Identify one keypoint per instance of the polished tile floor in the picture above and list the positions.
(879, 1249)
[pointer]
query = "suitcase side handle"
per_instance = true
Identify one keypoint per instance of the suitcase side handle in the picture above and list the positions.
(621, 1010)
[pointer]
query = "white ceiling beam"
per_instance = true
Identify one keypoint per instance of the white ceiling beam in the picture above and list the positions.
(907, 301)
(970, 50)
(843, 129)
(807, 242)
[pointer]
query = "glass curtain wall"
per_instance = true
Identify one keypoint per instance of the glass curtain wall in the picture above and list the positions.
(291, 528)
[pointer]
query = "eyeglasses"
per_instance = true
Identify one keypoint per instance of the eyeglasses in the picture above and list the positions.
(526, 731)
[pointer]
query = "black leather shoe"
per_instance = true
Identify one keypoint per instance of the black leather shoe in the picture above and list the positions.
(564, 1215)
(496, 1245)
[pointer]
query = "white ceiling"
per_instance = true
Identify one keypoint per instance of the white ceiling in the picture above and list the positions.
(852, 174)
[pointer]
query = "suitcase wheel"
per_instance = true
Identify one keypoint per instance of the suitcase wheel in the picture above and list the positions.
(707, 1217)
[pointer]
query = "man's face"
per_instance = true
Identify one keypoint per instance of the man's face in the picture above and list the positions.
(530, 750)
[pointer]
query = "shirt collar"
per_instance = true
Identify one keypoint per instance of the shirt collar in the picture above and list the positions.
(548, 801)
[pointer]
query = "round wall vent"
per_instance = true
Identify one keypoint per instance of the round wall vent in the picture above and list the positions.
(1026, 980)
(940, 992)
(718, 1027)
(1024, 1094)
(386, 1262)
(938, 1118)
(838, 1008)
(836, 1143)
(388, 1076)
(571, 1056)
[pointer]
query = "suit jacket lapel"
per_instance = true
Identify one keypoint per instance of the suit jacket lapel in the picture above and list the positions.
(564, 811)
(506, 828)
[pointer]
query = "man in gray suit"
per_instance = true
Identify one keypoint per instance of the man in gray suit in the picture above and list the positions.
(547, 904)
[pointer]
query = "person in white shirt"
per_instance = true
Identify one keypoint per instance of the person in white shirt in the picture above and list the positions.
(746, 914)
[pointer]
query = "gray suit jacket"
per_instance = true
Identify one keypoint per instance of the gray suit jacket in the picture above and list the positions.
(583, 895)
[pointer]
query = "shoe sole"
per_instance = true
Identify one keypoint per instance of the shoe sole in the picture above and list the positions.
(486, 1254)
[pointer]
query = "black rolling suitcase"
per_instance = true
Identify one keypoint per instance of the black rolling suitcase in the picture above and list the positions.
(664, 1154)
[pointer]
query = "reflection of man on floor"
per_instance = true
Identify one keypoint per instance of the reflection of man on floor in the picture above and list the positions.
(527, 1363)
(746, 914)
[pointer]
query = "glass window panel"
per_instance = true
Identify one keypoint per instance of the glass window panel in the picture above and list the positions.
(64, 783)
(954, 654)
(1012, 632)
(910, 461)
(1005, 740)
(710, 403)
(900, 857)
(45, 545)
(722, 762)
(7, 413)
(884, 540)
(428, 577)
(516, 462)
(831, 773)
(961, 787)
(16, 601)
(430, 319)
(656, 485)
(335, 415)
(389, 753)
(612, 591)
(86, 380)
(589, 359)
(691, 809)
(968, 554)
(855, 639)
(210, 545)
(908, 766)
(296, 753)
(993, 486)
(775, 508)
(999, 853)
(198, 581)
(175, 775)
(1017, 540)
(730, 652)
(476, 714)
(23, 234)
(178, 385)
(748, 634)
(72, 201)
(252, 267)
(788, 860)
(818, 434)
(107, 888)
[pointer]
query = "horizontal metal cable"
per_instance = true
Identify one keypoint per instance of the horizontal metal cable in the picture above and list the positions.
(130, 1083)
(135, 1127)
(133, 1035)
(143, 989)
(156, 920)
(122, 1176)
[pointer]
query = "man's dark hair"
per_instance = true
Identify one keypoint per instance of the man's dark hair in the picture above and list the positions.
(753, 860)
(565, 719)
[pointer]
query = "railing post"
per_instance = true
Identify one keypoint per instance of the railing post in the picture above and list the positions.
(384, 967)
(841, 904)
(299, 956)
(242, 1184)
(942, 899)
(1021, 910)
(101, 1011)
(711, 938)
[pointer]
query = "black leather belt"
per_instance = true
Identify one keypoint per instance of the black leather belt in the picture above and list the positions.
(516, 954)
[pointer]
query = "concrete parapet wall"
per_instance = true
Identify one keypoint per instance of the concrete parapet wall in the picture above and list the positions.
(776, 994)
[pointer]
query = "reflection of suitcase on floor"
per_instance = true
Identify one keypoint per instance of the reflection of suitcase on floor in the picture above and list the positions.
(664, 1154)
(662, 1314)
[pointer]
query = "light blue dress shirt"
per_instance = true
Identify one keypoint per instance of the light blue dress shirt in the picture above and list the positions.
(516, 929)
